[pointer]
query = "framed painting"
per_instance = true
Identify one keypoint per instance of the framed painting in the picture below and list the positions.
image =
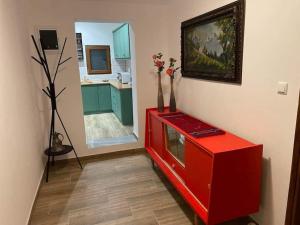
(98, 59)
(212, 44)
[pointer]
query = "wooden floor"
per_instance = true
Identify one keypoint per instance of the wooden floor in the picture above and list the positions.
(115, 190)
(105, 125)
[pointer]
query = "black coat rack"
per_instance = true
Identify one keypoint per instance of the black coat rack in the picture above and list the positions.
(50, 92)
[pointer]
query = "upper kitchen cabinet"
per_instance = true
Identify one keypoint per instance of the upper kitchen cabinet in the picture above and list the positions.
(122, 42)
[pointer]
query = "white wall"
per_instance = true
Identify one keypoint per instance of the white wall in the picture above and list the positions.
(21, 119)
(253, 110)
(148, 21)
(100, 34)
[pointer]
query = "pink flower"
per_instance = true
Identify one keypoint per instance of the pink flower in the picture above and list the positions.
(159, 64)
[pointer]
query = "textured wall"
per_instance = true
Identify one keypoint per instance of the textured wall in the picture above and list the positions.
(21, 119)
(253, 110)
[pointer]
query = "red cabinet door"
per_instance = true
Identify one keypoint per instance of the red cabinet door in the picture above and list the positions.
(176, 166)
(198, 168)
(156, 135)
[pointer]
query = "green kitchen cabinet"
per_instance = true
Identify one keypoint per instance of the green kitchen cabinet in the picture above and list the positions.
(100, 98)
(126, 106)
(116, 102)
(121, 39)
(90, 99)
(104, 97)
(96, 98)
(117, 44)
(121, 100)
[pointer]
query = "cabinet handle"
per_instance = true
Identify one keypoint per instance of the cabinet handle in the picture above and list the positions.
(173, 166)
(208, 186)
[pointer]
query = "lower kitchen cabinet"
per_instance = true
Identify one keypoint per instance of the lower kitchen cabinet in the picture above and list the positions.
(115, 101)
(121, 101)
(90, 99)
(96, 98)
(104, 97)
(101, 98)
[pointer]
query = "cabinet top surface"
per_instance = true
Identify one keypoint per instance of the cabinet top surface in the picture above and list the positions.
(214, 144)
(113, 83)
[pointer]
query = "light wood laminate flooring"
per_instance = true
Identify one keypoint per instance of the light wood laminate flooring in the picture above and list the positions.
(106, 129)
(105, 125)
(111, 190)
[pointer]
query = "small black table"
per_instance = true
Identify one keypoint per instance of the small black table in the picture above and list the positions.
(65, 150)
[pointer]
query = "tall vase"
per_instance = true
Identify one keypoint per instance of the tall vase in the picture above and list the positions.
(160, 96)
(172, 97)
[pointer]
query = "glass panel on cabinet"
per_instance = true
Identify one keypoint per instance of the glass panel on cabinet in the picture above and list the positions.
(175, 143)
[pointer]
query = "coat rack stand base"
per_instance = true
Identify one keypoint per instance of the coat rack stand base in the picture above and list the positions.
(49, 152)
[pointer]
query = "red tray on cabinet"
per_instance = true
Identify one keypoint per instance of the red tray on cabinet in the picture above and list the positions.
(192, 126)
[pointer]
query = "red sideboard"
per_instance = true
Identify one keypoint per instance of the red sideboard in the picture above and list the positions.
(219, 176)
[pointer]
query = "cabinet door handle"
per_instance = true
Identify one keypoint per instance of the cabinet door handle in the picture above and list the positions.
(208, 186)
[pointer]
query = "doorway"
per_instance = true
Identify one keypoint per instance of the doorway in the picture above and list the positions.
(106, 60)
(293, 207)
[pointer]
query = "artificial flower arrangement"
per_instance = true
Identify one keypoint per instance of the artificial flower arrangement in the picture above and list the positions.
(160, 64)
(171, 72)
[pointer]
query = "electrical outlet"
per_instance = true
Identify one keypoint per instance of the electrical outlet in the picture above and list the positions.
(282, 88)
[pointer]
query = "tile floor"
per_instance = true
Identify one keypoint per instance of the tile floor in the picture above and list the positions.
(111, 190)
(106, 129)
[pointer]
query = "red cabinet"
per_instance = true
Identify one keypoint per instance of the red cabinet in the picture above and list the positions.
(219, 176)
(199, 172)
(157, 139)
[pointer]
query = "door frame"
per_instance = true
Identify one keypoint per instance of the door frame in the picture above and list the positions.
(294, 191)
(135, 94)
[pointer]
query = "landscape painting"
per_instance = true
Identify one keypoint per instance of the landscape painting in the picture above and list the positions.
(211, 46)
